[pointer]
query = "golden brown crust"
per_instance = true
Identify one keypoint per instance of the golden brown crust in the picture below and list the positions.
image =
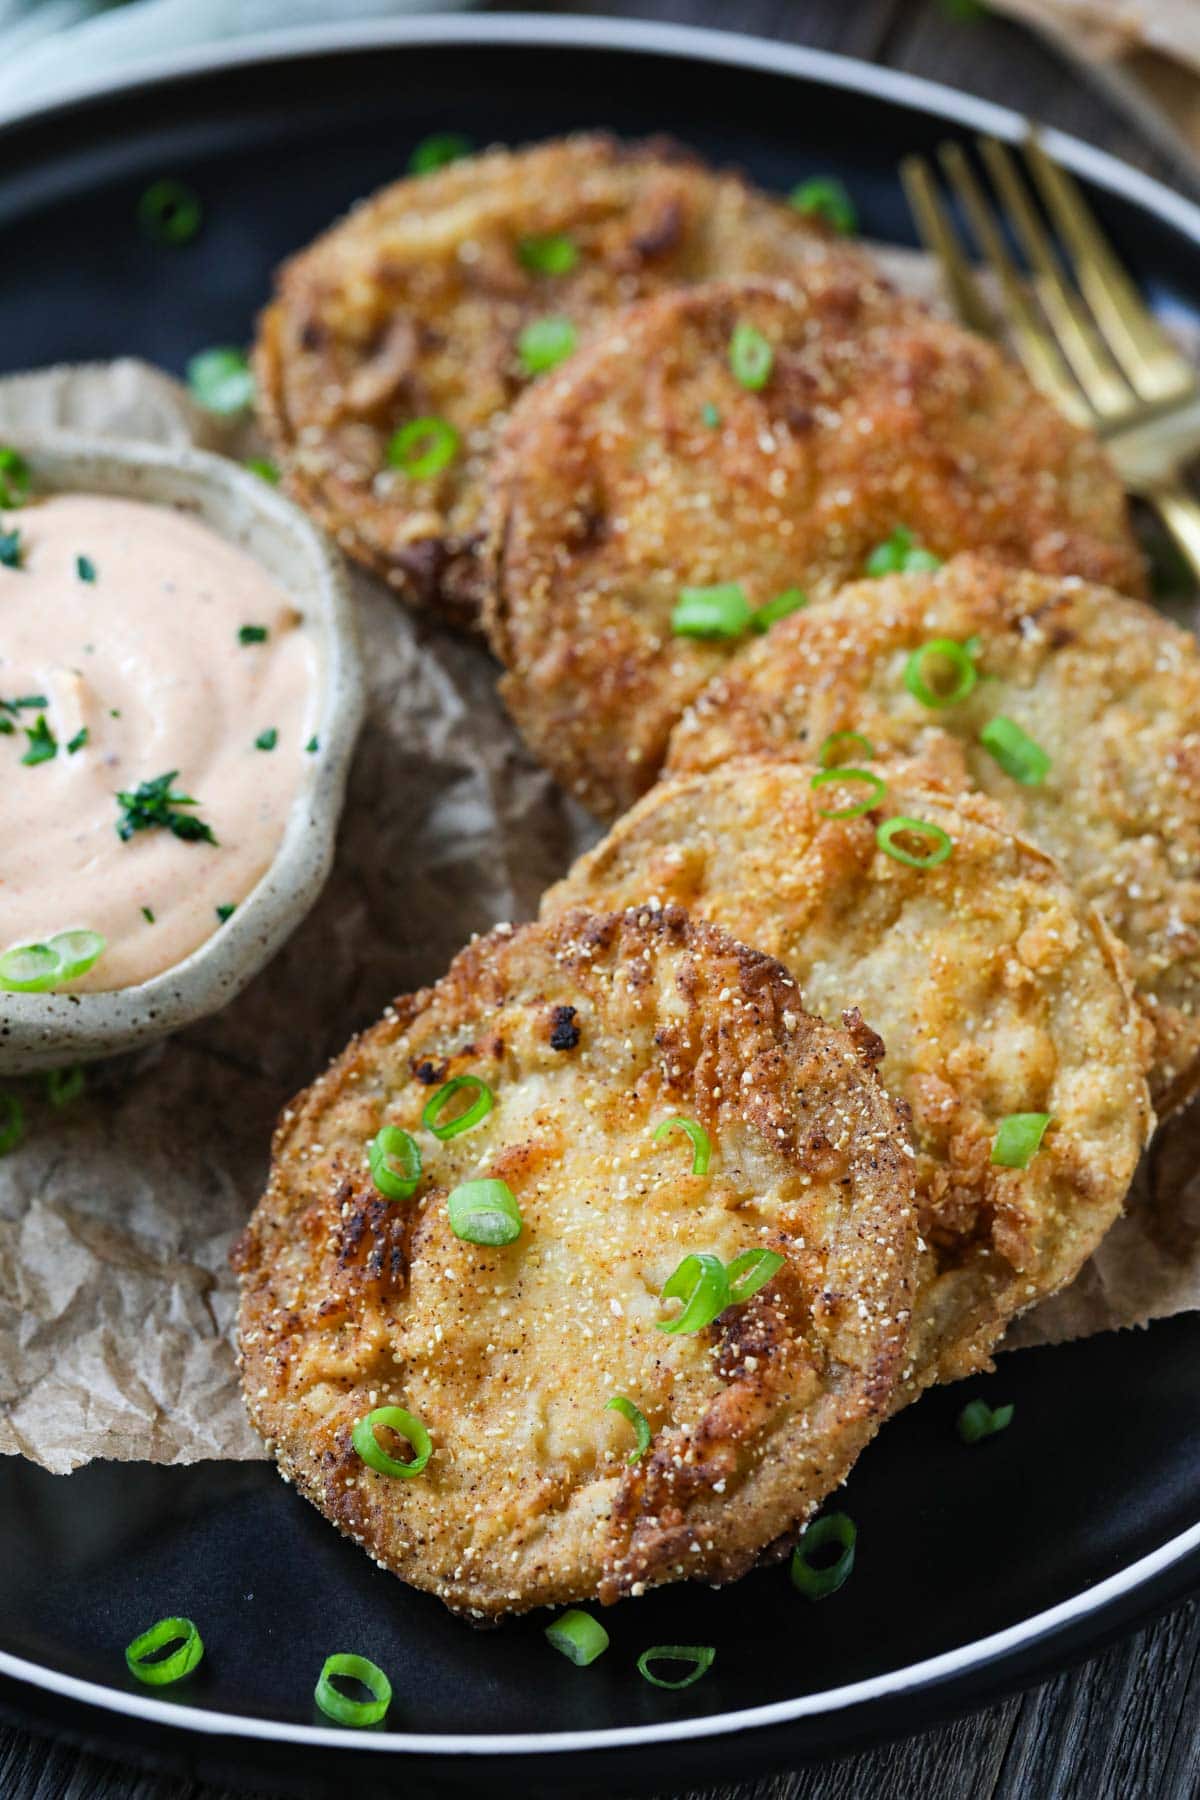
(590, 1031)
(1107, 687)
(412, 306)
(994, 991)
(612, 493)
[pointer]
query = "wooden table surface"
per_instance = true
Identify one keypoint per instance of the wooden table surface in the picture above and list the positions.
(1127, 1725)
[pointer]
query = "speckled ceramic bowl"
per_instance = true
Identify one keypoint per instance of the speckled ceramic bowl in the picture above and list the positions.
(40, 1031)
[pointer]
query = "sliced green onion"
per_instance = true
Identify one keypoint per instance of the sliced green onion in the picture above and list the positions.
(545, 343)
(979, 1420)
(1015, 751)
(78, 741)
(699, 1656)
(28, 969)
(551, 254)
(1019, 1139)
(43, 745)
(940, 673)
(12, 1122)
(395, 1162)
(264, 468)
(637, 1419)
(816, 1581)
(722, 611)
(876, 786)
(900, 554)
(702, 1284)
(64, 1085)
(267, 740)
(423, 447)
(252, 634)
(405, 1425)
(750, 1271)
(221, 380)
(579, 1637)
(750, 357)
(479, 1108)
(484, 1212)
(76, 952)
(14, 477)
(840, 743)
(940, 841)
(169, 212)
(701, 1143)
(170, 1668)
(791, 600)
(437, 150)
(148, 915)
(338, 1706)
(825, 198)
(10, 549)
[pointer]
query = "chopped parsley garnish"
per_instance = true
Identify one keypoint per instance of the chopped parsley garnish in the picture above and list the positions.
(14, 477)
(264, 468)
(10, 549)
(78, 741)
(266, 740)
(252, 634)
(225, 912)
(312, 746)
(43, 745)
(10, 708)
(85, 568)
(147, 915)
(153, 806)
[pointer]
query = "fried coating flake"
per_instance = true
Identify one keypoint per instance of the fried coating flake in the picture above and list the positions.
(413, 307)
(995, 992)
(1104, 686)
(613, 492)
(589, 1032)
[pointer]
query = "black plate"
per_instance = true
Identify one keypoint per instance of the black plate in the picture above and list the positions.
(978, 1569)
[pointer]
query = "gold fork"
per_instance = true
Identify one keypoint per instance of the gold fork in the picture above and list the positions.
(1084, 334)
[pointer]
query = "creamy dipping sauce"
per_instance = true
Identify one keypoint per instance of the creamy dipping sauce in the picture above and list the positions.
(127, 618)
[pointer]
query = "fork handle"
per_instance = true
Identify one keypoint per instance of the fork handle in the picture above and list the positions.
(1180, 513)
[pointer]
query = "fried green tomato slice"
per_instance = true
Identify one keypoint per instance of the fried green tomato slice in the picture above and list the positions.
(995, 992)
(589, 1034)
(614, 492)
(414, 307)
(1104, 689)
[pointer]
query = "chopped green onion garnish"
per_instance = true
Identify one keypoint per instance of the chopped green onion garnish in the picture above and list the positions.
(722, 611)
(338, 1706)
(750, 1271)
(979, 1420)
(147, 915)
(252, 634)
(815, 1581)
(78, 741)
(395, 1162)
(825, 198)
(394, 1418)
(435, 151)
(702, 1283)
(153, 805)
(844, 743)
(423, 447)
(43, 745)
(264, 468)
(479, 1108)
(901, 555)
(267, 740)
(1019, 1139)
(876, 789)
(941, 844)
(76, 952)
(221, 380)
(28, 969)
(311, 747)
(940, 673)
(226, 911)
(579, 1637)
(1016, 752)
(14, 477)
(545, 343)
(699, 1656)
(85, 568)
(553, 254)
(637, 1419)
(750, 357)
(10, 549)
(790, 601)
(701, 1144)
(170, 1668)
(484, 1212)
(12, 1122)
(170, 213)
(64, 1085)
(710, 416)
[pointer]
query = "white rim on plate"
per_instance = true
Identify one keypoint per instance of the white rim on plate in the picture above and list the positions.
(701, 45)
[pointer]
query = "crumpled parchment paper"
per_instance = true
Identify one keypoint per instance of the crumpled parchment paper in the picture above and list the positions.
(118, 1210)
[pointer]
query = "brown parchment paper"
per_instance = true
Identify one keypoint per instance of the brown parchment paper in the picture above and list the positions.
(117, 1211)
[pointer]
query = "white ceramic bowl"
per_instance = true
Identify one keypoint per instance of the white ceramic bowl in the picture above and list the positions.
(41, 1031)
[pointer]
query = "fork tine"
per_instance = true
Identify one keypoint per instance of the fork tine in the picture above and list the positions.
(1034, 345)
(1154, 367)
(1095, 370)
(937, 233)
